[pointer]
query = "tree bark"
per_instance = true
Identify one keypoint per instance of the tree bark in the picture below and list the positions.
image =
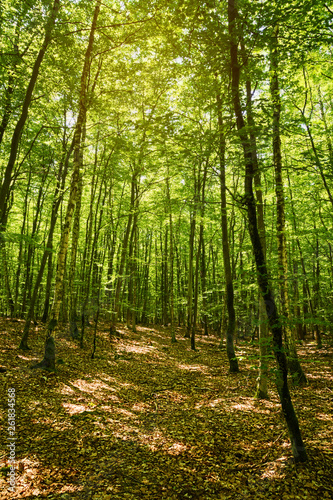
(293, 362)
(231, 325)
(172, 307)
(49, 357)
(116, 305)
(297, 444)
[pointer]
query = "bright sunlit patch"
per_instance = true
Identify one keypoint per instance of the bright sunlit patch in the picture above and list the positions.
(193, 368)
(126, 413)
(138, 349)
(243, 407)
(91, 387)
(177, 448)
(75, 409)
(274, 470)
(66, 390)
(140, 407)
(323, 416)
(216, 402)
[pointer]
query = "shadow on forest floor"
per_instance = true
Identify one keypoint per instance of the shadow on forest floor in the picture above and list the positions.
(151, 420)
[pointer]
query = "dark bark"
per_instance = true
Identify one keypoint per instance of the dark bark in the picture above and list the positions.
(297, 444)
(293, 361)
(231, 324)
(116, 304)
(190, 278)
(58, 195)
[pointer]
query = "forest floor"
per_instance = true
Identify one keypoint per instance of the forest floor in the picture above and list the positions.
(149, 420)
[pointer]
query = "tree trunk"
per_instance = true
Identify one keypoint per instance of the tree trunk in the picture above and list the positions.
(49, 357)
(264, 341)
(172, 326)
(119, 281)
(31, 246)
(202, 252)
(72, 291)
(57, 199)
(230, 333)
(190, 278)
(293, 362)
(297, 445)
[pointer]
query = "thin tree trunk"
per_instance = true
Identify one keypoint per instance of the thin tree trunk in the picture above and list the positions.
(231, 325)
(116, 304)
(58, 196)
(262, 388)
(172, 326)
(203, 270)
(190, 279)
(306, 287)
(72, 292)
(20, 255)
(190, 275)
(6, 277)
(31, 246)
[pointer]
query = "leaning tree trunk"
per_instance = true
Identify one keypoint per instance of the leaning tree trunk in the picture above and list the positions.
(31, 246)
(5, 187)
(293, 362)
(261, 389)
(49, 357)
(231, 325)
(297, 445)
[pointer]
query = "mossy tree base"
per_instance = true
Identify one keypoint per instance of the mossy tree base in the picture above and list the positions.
(259, 394)
(24, 345)
(48, 362)
(295, 369)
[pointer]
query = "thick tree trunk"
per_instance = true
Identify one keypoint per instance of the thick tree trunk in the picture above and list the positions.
(297, 445)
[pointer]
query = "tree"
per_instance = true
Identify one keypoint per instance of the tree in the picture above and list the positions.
(49, 357)
(297, 445)
(6, 183)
